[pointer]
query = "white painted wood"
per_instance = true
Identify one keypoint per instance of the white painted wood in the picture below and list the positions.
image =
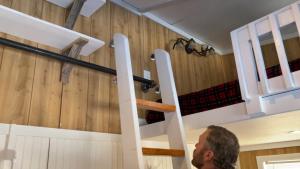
(174, 124)
(286, 72)
(61, 133)
(280, 157)
(296, 13)
(31, 152)
(24, 26)
(228, 114)
(270, 146)
(78, 154)
(284, 16)
(89, 7)
(239, 64)
(247, 63)
(132, 150)
(259, 58)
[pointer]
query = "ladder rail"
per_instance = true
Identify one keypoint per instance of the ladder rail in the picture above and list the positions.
(131, 139)
(174, 126)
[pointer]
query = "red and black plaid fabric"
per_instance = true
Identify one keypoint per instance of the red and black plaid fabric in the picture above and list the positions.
(211, 98)
(215, 97)
(275, 71)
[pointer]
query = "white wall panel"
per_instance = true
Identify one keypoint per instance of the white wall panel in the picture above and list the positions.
(31, 152)
(79, 154)
(48, 148)
(158, 162)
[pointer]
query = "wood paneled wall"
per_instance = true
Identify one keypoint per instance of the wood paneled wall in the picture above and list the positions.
(292, 47)
(31, 92)
(248, 158)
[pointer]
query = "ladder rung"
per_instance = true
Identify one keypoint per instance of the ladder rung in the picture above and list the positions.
(150, 105)
(163, 152)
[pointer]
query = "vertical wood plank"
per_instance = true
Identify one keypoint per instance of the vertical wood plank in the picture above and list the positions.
(150, 43)
(74, 97)
(17, 72)
(135, 41)
(99, 83)
(119, 24)
(2, 35)
(47, 88)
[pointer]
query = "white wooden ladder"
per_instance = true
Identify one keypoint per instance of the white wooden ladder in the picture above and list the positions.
(131, 137)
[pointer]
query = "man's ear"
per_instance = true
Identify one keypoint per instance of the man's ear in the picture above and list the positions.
(209, 155)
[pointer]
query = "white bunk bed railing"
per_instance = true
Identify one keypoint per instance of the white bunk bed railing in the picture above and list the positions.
(254, 83)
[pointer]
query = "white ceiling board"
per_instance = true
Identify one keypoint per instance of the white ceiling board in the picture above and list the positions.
(141, 4)
(213, 20)
(89, 7)
(270, 129)
(210, 21)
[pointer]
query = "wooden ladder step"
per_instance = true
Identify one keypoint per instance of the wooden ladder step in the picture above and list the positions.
(163, 152)
(150, 105)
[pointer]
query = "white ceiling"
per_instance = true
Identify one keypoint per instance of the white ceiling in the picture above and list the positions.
(211, 21)
(263, 130)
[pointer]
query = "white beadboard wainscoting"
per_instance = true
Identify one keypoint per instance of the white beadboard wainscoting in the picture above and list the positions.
(49, 148)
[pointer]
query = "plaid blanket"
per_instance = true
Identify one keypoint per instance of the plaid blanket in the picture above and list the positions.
(215, 97)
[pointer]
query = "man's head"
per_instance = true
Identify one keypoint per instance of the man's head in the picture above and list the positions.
(216, 148)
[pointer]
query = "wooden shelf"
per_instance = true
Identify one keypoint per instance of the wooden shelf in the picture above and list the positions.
(163, 152)
(150, 105)
(30, 28)
(89, 7)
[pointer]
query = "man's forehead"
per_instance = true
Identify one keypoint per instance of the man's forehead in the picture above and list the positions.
(204, 134)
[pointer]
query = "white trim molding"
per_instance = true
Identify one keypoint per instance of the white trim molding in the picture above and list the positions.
(261, 160)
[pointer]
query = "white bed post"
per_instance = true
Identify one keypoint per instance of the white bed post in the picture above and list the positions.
(284, 65)
(174, 124)
(259, 59)
(296, 13)
(131, 139)
(246, 68)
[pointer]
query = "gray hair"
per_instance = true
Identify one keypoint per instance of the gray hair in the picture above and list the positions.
(225, 146)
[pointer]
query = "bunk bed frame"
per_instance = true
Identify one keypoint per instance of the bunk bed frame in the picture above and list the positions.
(261, 96)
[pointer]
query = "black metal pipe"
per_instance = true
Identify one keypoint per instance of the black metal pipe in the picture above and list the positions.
(63, 58)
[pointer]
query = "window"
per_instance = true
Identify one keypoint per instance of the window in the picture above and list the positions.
(282, 161)
(285, 164)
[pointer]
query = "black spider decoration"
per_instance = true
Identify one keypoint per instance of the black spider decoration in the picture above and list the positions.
(189, 46)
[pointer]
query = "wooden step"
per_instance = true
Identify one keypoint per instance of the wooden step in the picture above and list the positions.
(150, 105)
(163, 152)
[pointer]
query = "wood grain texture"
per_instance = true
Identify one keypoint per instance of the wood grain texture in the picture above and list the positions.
(47, 88)
(75, 93)
(150, 105)
(2, 35)
(136, 47)
(17, 72)
(163, 152)
(119, 24)
(150, 44)
(292, 47)
(248, 158)
(99, 83)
